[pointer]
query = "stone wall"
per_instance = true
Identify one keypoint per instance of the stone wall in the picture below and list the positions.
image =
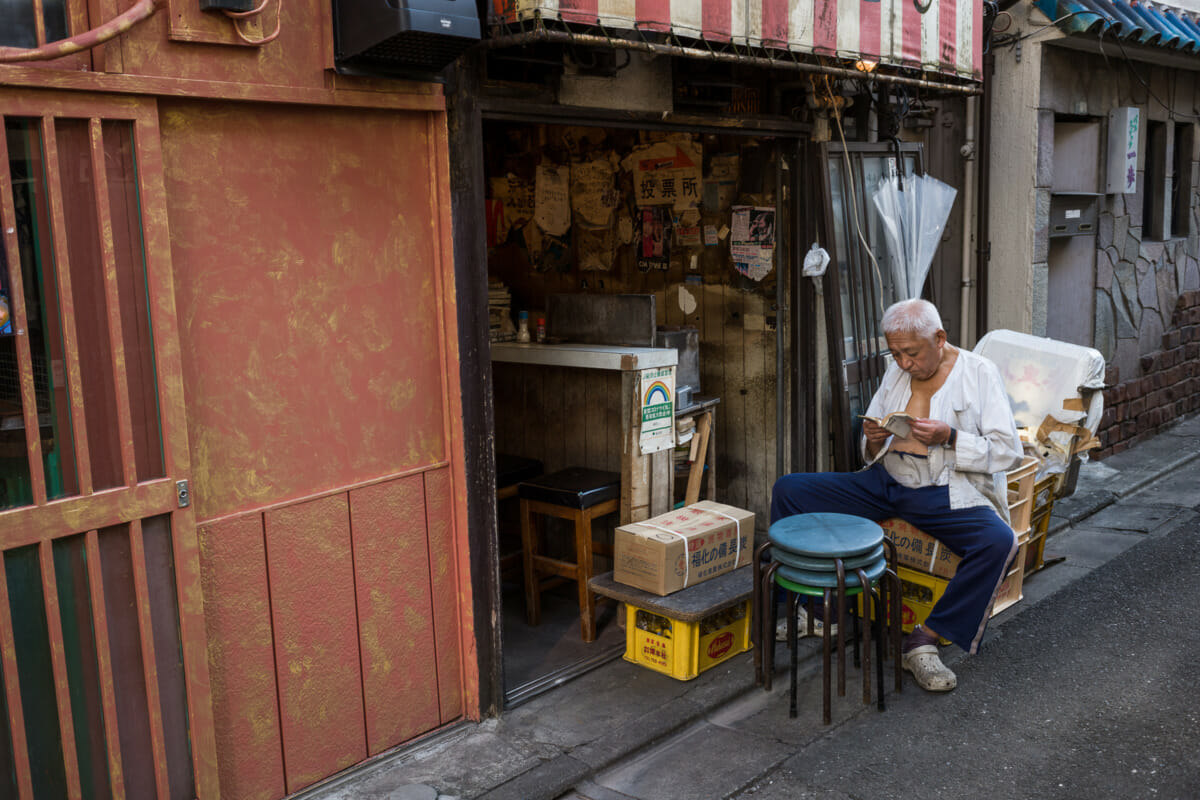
(1167, 389)
(1138, 282)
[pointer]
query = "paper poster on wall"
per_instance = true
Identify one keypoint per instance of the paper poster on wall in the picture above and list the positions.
(654, 239)
(752, 241)
(516, 197)
(667, 174)
(552, 199)
(656, 395)
(595, 249)
(594, 196)
(688, 235)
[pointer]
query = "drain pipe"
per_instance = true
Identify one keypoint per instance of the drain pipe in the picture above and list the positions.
(969, 154)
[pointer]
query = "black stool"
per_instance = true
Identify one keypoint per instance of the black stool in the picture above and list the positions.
(578, 495)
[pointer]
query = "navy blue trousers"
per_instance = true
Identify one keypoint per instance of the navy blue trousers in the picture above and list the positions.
(984, 542)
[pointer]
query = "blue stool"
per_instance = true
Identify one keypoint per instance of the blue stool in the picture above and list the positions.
(834, 557)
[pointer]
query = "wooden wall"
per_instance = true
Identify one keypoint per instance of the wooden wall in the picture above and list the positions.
(735, 316)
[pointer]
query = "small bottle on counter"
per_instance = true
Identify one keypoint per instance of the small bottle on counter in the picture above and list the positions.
(522, 326)
(541, 330)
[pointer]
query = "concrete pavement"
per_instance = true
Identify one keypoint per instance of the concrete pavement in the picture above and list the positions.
(625, 732)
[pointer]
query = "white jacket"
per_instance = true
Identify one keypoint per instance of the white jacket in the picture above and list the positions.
(974, 402)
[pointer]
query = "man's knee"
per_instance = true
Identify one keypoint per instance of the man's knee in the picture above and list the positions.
(998, 540)
(788, 495)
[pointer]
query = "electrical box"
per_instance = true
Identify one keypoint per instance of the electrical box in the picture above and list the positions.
(227, 5)
(413, 39)
(1123, 125)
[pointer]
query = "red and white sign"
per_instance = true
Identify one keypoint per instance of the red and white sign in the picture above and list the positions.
(937, 35)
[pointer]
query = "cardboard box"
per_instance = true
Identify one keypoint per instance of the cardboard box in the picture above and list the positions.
(683, 547)
(919, 550)
(920, 591)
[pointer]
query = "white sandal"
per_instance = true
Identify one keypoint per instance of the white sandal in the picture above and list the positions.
(928, 670)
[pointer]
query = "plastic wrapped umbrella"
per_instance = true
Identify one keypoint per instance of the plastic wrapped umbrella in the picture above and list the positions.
(913, 219)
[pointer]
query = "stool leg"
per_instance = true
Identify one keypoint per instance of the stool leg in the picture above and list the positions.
(758, 612)
(841, 618)
(866, 595)
(893, 579)
(879, 643)
(794, 646)
(529, 541)
(583, 574)
(770, 620)
(826, 708)
(856, 634)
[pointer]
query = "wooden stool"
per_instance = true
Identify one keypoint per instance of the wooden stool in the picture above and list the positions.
(510, 471)
(578, 495)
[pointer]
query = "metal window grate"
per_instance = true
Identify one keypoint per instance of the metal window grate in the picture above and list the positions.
(20, 28)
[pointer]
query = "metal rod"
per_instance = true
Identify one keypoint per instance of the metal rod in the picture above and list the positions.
(112, 302)
(66, 305)
(568, 37)
(58, 666)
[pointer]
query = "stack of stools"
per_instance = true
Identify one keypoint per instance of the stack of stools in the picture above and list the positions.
(834, 557)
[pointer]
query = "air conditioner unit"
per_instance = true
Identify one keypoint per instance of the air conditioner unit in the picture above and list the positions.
(403, 38)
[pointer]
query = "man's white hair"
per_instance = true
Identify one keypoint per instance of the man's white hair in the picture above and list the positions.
(916, 317)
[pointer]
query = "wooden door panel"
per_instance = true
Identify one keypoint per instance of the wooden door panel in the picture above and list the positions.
(245, 692)
(311, 569)
(446, 603)
(395, 611)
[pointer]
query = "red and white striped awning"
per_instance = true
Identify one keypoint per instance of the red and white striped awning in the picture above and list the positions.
(942, 36)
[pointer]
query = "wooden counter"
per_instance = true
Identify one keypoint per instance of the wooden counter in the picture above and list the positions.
(585, 356)
(577, 405)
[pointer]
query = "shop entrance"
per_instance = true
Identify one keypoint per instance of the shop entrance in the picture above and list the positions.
(699, 227)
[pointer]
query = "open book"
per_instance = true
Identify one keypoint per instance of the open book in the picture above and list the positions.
(896, 423)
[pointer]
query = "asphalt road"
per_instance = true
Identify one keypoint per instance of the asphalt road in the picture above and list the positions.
(1088, 694)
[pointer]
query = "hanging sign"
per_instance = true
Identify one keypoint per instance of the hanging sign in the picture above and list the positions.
(656, 395)
(667, 174)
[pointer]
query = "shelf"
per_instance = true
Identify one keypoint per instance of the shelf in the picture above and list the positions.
(585, 356)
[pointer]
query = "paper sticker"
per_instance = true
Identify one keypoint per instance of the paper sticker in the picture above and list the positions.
(656, 394)
(687, 301)
(688, 236)
(710, 235)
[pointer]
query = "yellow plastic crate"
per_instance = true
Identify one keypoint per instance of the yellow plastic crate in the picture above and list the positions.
(685, 649)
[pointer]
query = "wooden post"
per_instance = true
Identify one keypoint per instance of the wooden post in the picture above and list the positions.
(703, 426)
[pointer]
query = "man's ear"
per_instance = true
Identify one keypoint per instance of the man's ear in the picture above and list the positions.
(939, 338)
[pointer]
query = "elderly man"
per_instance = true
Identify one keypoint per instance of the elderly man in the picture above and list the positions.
(945, 477)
